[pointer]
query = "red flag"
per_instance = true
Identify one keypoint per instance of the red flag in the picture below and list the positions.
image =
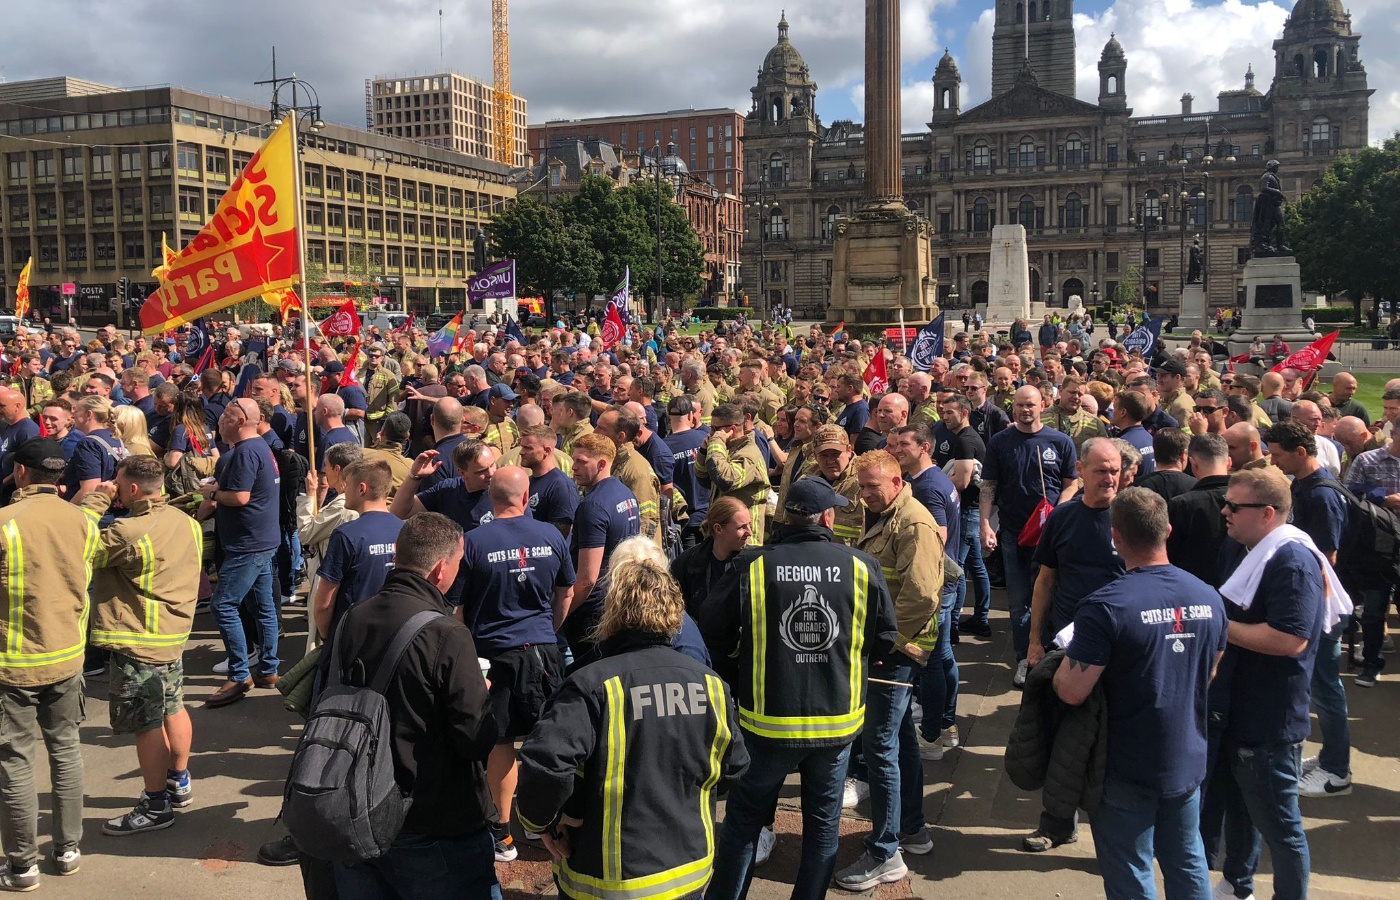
(876, 375)
(612, 327)
(344, 322)
(347, 377)
(1311, 357)
(406, 327)
(1232, 361)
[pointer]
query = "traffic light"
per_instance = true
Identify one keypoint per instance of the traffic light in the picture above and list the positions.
(123, 289)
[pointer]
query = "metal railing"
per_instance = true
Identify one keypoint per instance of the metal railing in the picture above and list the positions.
(1378, 354)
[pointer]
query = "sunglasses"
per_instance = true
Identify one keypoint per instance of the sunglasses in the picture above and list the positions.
(1209, 409)
(1234, 507)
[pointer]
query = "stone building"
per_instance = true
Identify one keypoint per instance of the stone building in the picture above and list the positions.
(1083, 178)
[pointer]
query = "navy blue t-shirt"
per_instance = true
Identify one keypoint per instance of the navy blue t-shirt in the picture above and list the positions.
(158, 430)
(512, 567)
(299, 434)
(147, 405)
(553, 498)
(1270, 695)
(284, 423)
(1139, 438)
(448, 469)
(1078, 544)
(854, 417)
(354, 396)
(10, 439)
(358, 557)
(326, 440)
(1321, 512)
(684, 476)
(1157, 631)
(935, 491)
(95, 456)
(656, 452)
(253, 527)
(607, 515)
(467, 508)
(213, 408)
(1015, 460)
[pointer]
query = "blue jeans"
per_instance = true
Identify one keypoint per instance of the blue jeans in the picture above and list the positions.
(886, 708)
(1131, 826)
(289, 561)
(1020, 583)
(1330, 700)
(1371, 607)
(938, 680)
(425, 868)
(974, 568)
(1265, 805)
(750, 807)
(246, 575)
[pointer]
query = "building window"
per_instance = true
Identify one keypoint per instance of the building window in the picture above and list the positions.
(187, 158)
(945, 223)
(102, 164)
(1196, 209)
(133, 207)
(1151, 209)
(19, 169)
(776, 169)
(1110, 216)
(945, 267)
(1112, 153)
(1320, 135)
(777, 225)
(1111, 258)
(1074, 150)
(1074, 212)
(1027, 153)
(1153, 258)
(133, 247)
(1244, 204)
(980, 215)
(1025, 211)
(43, 167)
(829, 223)
(1241, 255)
(981, 156)
(76, 249)
(72, 163)
(1161, 156)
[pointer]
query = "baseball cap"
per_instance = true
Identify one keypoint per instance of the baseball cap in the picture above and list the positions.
(829, 436)
(288, 365)
(45, 454)
(681, 405)
(810, 496)
(503, 391)
(1172, 367)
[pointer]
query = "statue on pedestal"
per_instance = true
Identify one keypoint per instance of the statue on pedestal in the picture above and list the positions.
(1193, 275)
(1268, 216)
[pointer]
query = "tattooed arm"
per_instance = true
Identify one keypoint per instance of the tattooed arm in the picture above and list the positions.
(1074, 680)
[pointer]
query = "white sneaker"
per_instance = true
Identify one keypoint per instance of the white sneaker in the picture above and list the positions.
(1224, 890)
(950, 739)
(1019, 679)
(855, 791)
(1310, 764)
(1321, 783)
(221, 668)
(916, 711)
(767, 838)
(929, 750)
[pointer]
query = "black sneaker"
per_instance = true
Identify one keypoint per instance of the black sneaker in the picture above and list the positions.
(141, 819)
(281, 852)
(1039, 841)
(975, 628)
(505, 846)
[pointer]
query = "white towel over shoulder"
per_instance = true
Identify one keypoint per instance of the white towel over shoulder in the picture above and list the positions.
(1241, 587)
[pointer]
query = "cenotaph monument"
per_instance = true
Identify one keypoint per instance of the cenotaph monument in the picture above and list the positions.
(1008, 280)
(883, 255)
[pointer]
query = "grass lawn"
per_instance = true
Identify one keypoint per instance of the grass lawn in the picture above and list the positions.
(1370, 386)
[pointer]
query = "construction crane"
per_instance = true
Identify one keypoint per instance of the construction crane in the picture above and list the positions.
(503, 100)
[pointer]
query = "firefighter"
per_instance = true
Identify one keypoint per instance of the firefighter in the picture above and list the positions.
(800, 618)
(618, 825)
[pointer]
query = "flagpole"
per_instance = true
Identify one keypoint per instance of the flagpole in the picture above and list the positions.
(293, 115)
(903, 336)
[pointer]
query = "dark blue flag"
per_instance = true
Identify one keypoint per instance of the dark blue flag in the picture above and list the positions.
(1145, 336)
(928, 345)
(514, 333)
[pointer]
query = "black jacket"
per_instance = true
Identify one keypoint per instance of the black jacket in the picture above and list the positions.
(1198, 529)
(692, 572)
(635, 746)
(1166, 483)
(438, 704)
(1056, 747)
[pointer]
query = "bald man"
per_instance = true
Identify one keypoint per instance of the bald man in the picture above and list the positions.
(1354, 437)
(1343, 397)
(1245, 446)
(18, 428)
(1310, 415)
(330, 427)
(891, 412)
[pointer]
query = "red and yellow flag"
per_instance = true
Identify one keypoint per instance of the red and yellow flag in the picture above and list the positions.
(167, 259)
(22, 290)
(285, 300)
(249, 247)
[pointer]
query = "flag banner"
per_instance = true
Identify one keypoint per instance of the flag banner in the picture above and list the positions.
(248, 248)
(344, 322)
(463, 341)
(622, 296)
(285, 300)
(167, 259)
(1310, 357)
(928, 346)
(196, 341)
(515, 334)
(1236, 360)
(876, 375)
(22, 290)
(347, 377)
(612, 330)
(840, 327)
(1145, 336)
(406, 327)
(495, 282)
(442, 342)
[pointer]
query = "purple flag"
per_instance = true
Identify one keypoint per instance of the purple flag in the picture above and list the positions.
(495, 282)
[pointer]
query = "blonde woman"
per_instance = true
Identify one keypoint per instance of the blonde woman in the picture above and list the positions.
(130, 428)
(640, 550)
(95, 458)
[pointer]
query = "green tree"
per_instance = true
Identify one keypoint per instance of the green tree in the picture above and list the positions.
(551, 252)
(1344, 231)
(1125, 295)
(682, 257)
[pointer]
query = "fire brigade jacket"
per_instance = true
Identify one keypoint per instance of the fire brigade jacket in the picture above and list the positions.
(47, 547)
(634, 746)
(804, 615)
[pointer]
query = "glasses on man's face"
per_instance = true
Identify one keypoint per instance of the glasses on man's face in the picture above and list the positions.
(460, 385)
(1207, 410)
(1234, 507)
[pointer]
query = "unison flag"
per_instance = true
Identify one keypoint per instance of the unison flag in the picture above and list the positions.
(495, 282)
(1310, 357)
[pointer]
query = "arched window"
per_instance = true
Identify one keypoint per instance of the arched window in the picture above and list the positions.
(1321, 63)
(945, 98)
(1196, 208)
(912, 206)
(776, 169)
(1244, 204)
(1020, 13)
(777, 225)
(1074, 212)
(1151, 208)
(1320, 135)
(1025, 211)
(981, 155)
(776, 104)
(1113, 84)
(1300, 66)
(1032, 14)
(980, 216)
(833, 212)
(1074, 150)
(1027, 153)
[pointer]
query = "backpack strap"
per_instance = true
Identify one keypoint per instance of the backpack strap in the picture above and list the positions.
(398, 646)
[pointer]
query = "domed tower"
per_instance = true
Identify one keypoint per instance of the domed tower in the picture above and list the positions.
(1317, 67)
(1113, 71)
(947, 86)
(785, 89)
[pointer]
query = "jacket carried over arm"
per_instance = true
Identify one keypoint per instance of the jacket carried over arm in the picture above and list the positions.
(1060, 748)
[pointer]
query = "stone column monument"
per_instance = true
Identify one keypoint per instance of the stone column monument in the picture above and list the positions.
(883, 256)
(1008, 281)
(1272, 277)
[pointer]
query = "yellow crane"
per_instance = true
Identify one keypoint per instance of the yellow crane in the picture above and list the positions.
(503, 101)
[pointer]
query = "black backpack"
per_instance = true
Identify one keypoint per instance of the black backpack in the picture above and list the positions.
(291, 472)
(1369, 557)
(341, 801)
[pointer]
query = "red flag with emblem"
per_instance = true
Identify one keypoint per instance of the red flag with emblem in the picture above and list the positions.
(1311, 357)
(344, 322)
(406, 327)
(347, 377)
(612, 330)
(877, 375)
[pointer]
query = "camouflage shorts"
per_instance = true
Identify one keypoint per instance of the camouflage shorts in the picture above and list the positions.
(142, 694)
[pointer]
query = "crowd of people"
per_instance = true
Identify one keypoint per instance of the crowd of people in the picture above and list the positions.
(608, 583)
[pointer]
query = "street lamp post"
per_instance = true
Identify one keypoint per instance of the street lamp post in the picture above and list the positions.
(1143, 223)
(760, 206)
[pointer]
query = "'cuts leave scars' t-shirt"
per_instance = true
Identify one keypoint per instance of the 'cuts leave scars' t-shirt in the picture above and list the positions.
(607, 515)
(512, 567)
(358, 557)
(252, 528)
(1156, 631)
(1015, 461)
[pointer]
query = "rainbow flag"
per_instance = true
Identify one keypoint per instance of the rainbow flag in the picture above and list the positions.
(442, 343)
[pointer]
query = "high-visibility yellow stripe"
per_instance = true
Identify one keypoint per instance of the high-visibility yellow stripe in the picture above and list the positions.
(14, 552)
(717, 747)
(802, 727)
(668, 884)
(140, 638)
(862, 591)
(758, 627)
(615, 770)
(145, 584)
(31, 660)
